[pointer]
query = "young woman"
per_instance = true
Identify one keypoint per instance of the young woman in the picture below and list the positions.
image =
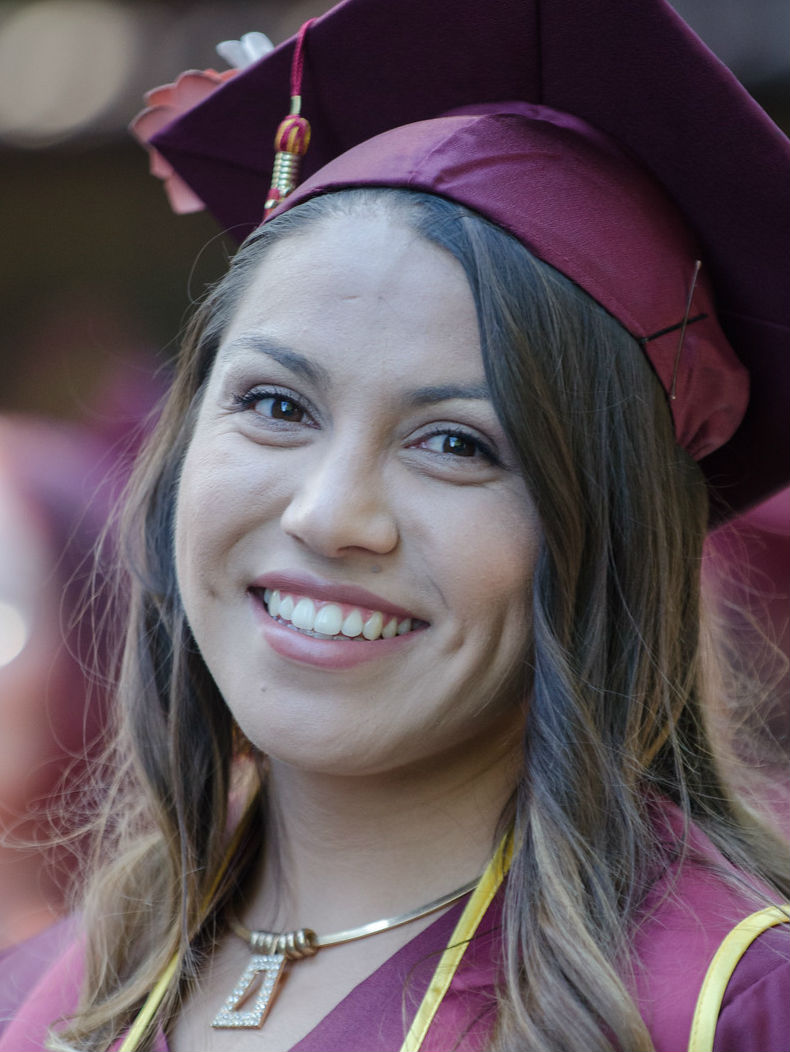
(413, 749)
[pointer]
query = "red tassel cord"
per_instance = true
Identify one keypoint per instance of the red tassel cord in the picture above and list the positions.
(293, 135)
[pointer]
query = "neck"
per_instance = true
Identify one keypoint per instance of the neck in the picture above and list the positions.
(350, 850)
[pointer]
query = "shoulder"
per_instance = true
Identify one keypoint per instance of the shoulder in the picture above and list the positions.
(687, 916)
(755, 1011)
(51, 1001)
(23, 964)
(52, 998)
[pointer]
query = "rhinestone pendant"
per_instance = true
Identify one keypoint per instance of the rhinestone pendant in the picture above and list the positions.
(231, 1017)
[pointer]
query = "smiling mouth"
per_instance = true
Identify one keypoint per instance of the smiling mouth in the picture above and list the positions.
(338, 621)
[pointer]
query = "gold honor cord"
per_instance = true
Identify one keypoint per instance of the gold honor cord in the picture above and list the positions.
(719, 973)
(465, 929)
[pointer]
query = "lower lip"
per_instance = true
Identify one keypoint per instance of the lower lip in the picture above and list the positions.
(325, 653)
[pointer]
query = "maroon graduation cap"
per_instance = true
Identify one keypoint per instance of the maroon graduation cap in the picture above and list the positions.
(602, 133)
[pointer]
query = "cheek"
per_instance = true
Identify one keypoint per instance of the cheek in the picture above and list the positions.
(228, 495)
(491, 566)
(202, 524)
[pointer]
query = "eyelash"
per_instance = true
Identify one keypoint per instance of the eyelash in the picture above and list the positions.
(249, 399)
(450, 432)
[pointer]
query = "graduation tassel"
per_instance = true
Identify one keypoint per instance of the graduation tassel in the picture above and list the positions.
(293, 135)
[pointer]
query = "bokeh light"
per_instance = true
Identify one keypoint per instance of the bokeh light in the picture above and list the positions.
(62, 64)
(14, 633)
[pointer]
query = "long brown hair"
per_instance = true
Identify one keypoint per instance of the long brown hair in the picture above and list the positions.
(616, 710)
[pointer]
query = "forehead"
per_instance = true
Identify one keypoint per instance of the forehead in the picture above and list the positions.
(363, 289)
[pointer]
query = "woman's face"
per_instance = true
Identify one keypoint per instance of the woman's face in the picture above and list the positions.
(348, 475)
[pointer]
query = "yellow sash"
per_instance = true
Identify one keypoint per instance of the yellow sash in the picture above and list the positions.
(719, 973)
(467, 925)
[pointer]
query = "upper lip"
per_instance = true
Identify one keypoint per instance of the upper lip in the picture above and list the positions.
(299, 583)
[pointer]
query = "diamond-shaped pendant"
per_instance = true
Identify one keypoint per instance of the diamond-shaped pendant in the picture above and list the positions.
(271, 966)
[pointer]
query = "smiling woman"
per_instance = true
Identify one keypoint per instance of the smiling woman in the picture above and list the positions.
(366, 439)
(414, 750)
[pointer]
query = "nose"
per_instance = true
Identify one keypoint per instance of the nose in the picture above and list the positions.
(340, 505)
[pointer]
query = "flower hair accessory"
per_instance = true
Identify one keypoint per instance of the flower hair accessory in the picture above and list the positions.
(168, 102)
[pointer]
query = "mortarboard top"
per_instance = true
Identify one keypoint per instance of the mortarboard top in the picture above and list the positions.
(632, 70)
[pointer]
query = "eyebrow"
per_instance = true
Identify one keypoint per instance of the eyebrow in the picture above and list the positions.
(447, 392)
(285, 356)
(305, 367)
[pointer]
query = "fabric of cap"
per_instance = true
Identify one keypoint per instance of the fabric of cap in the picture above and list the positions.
(633, 71)
(616, 234)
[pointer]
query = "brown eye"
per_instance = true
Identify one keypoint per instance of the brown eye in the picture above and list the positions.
(459, 446)
(276, 407)
(282, 409)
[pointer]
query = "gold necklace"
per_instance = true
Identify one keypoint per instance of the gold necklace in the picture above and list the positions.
(273, 951)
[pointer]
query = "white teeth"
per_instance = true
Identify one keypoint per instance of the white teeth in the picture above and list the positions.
(372, 628)
(352, 626)
(304, 614)
(328, 620)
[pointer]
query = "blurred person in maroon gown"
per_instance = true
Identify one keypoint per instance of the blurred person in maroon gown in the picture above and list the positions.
(53, 509)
